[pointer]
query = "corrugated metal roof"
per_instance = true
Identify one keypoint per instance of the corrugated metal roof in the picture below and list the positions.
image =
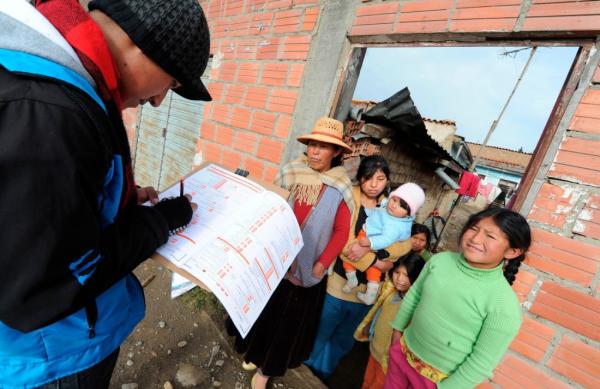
(399, 113)
(441, 121)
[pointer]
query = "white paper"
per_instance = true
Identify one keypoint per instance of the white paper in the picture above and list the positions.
(240, 242)
(180, 285)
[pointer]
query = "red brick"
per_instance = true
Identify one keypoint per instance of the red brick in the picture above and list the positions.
(563, 271)
(424, 16)
(577, 361)
(248, 73)
(588, 111)
(267, 48)
(263, 122)
(591, 230)
(565, 244)
(585, 124)
(523, 284)
(485, 385)
(570, 8)
(569, 308)
(287, 21)
(426, 5)
(298, 2)
(591, 96)
(575, 174)
(295, 75)
(547, 217)
(255, 167)
(372, 29)
(270, 173)
(256, 97)
(311, 15)
(573, 260)
(275, 4)
(533, 339)
(486, 3)
(481, 25)
(212, 152)
(283, 126)
(235, 94)
(422, 27)
(516, 373)
(224, 136)
(228, 47)
(593, 202)
(227, 71)
(239, 26)
(261, 23)
(216, 90)
(378, 9)
(270, 150)
(487, 13)
(220, 113)
(240, 117)
(245, 141)
(275, 74)
(208, 130)
(562, 23)
(234, 7)
(295, 47)
(231, 159)
(375, 20)
(583, 146)
(282, 101)
(596, 78)
(246, 49)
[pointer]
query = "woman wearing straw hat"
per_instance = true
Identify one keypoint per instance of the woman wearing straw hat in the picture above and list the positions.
(283, 335)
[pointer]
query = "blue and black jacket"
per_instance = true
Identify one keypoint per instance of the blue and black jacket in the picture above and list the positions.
(68, 243)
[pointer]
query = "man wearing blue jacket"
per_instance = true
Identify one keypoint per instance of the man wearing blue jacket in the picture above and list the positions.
(71, 220)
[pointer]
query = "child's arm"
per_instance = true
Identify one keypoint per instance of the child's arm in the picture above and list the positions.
(365, 242)
(410, 301)
(497, 332)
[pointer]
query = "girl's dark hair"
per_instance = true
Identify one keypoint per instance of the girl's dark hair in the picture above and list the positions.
(370, 165)
(516, 229)
(339, 160)
(413, 264)
(421, 229)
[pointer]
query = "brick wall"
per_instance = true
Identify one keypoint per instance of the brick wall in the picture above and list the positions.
(260, 48)
(559, 343)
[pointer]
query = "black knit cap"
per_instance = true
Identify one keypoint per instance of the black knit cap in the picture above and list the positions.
(173, 33)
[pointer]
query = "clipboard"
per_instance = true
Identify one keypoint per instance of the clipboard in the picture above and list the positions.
(170, 265)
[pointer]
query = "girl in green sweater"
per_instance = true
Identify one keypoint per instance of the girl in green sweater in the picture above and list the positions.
(460, 316)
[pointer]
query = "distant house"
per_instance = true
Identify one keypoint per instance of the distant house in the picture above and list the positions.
(501, 167)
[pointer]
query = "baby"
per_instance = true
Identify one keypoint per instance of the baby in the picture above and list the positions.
(383, 227)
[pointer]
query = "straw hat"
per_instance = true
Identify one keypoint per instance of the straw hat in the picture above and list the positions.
(327, 130)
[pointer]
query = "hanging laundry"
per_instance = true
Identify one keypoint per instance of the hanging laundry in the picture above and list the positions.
(468, 184)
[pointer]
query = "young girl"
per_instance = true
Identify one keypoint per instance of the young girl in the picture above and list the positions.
(384, 226)
(460, 316)
(420, 239)
(375, 327)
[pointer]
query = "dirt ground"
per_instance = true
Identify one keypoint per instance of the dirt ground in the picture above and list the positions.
(176, 338)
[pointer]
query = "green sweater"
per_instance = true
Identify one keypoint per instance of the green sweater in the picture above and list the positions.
(462, 319)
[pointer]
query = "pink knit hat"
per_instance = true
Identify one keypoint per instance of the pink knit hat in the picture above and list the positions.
(412, 194)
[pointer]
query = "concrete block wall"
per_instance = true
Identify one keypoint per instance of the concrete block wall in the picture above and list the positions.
(559, 343)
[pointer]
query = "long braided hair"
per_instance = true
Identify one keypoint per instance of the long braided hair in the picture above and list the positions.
(516, 229)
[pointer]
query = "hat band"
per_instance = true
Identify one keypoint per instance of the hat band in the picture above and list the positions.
(327, 134)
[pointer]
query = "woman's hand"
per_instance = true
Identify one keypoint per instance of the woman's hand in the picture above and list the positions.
(396, 335)
(355, 251)
(383, 266)
(318, 270)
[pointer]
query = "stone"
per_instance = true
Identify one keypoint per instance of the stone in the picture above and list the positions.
(181, 344)
(219, 363)
(189, 375)
(168, 385)
(216, 384)
(162, 324)
(131, 385)
(169, 352)
(139, 343)
(129, 362)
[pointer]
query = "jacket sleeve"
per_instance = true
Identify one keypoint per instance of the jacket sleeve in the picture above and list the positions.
(54, 254)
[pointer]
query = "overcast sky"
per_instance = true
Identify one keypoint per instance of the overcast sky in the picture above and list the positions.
(470, 86)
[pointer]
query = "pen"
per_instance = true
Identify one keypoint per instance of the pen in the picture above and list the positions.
(181, 187)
